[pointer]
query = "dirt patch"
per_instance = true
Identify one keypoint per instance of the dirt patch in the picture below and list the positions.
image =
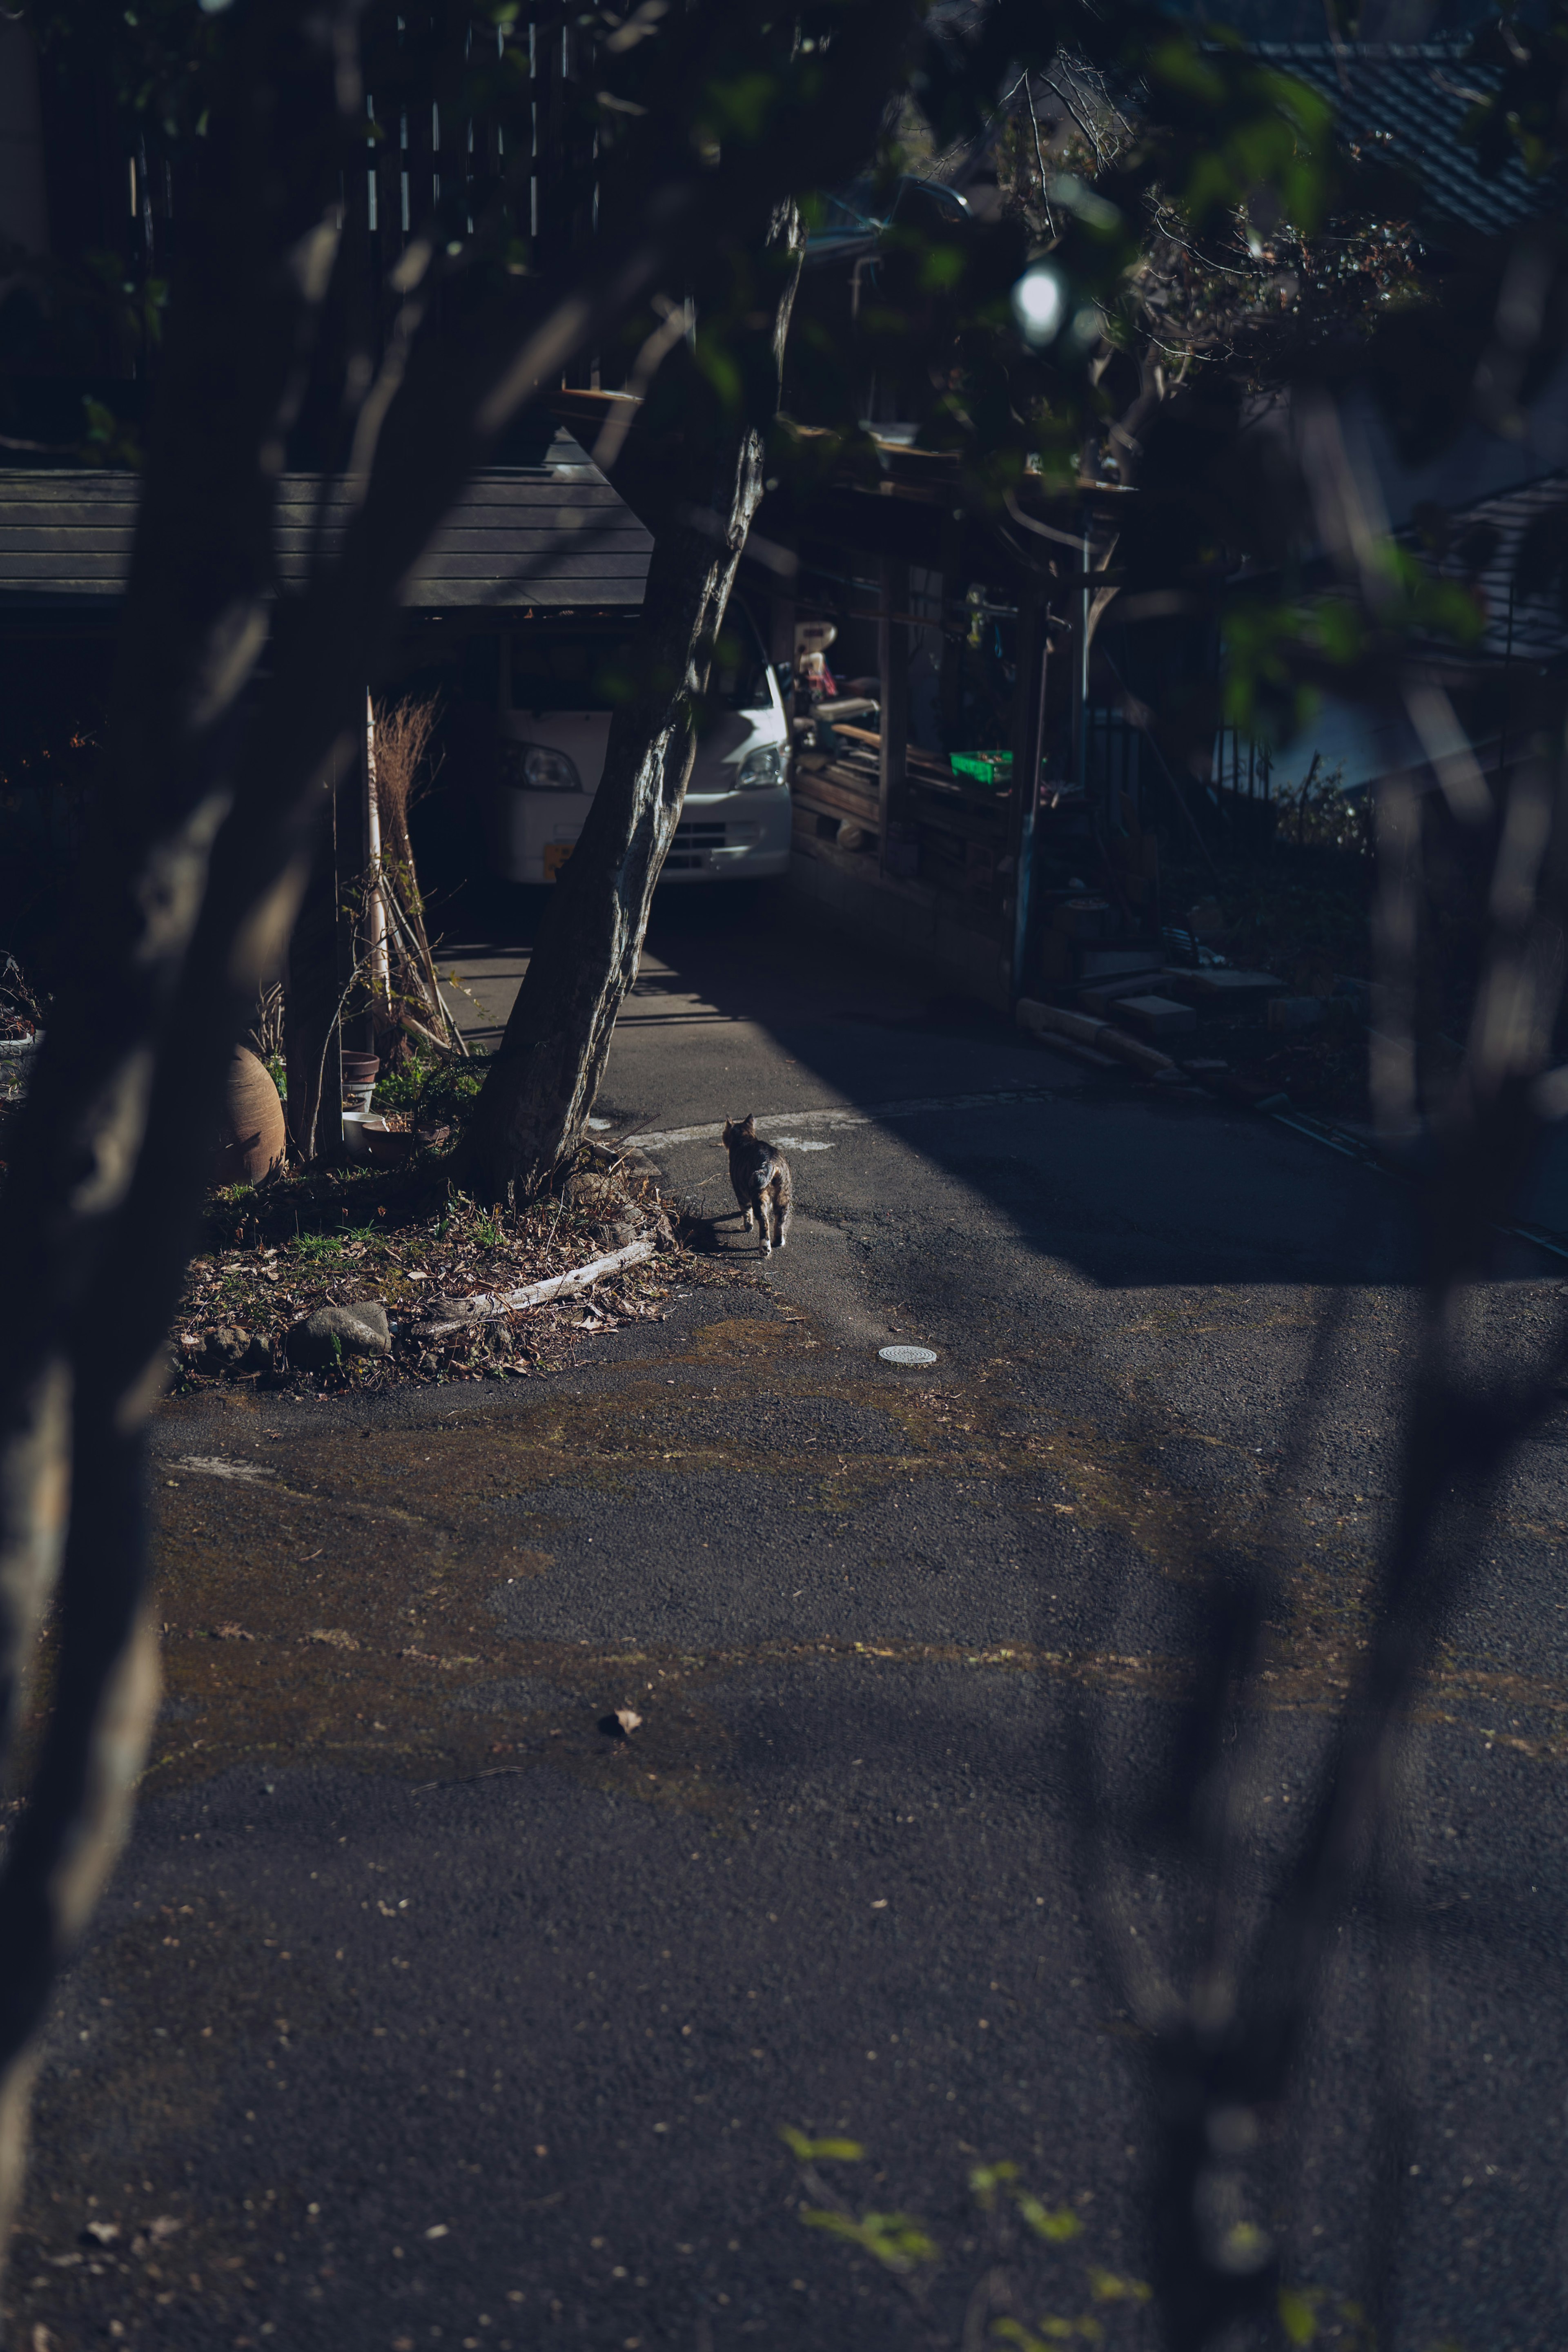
(277, 1253)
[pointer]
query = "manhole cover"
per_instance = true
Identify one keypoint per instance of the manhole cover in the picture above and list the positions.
(907, 1355)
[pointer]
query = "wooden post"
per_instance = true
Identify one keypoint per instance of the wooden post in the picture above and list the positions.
(310, 1039)
(375, 911)
(1028, 743)
(352, 826)
(1081, 609)
(892, 690)
(950, 685)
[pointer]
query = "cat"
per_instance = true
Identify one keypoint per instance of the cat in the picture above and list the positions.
(760, 1175)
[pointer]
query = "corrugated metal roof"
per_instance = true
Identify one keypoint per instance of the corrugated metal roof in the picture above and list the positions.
(549, 535)
(1405, 104)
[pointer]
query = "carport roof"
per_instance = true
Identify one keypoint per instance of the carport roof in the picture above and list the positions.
(550, 535)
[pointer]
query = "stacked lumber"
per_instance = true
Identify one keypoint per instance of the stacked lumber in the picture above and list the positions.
(961, 830)
(923, 767)
(844, 791)
(833, 788)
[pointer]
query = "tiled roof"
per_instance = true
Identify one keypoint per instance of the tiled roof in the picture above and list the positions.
(1532, 629)
(555, 534)
(1406, 104)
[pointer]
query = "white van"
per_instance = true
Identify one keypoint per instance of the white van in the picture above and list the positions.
(558, 684)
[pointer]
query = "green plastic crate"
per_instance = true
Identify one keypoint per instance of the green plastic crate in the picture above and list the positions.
(992, 768)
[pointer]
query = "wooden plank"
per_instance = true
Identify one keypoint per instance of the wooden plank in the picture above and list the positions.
(311, 1041)
(892, 675)
(65, 486)
(919, 761)
(823, 801)
(485, 494)
(855, 795)
(27, 538)
(966, 823)
(862, 843)
(523, 563)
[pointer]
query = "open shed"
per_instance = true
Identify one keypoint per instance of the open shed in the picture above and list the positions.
(521, 541)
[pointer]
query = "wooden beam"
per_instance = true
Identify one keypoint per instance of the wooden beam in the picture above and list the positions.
(1028, 742)
(892, 680)
(310, 1040)
(352, 828)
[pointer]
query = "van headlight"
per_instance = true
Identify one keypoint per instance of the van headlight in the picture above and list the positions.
(761, 769)
(535, 767)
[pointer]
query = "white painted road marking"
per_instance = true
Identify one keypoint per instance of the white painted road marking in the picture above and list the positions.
(651, 1139)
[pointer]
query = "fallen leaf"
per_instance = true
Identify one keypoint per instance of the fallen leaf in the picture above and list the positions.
(231, 1633)
(164, 2226)
(439, 2230)
(105, 2233)
(621, 1724)
(334, 1636)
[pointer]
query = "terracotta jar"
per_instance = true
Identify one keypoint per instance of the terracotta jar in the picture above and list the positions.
(251, 1132)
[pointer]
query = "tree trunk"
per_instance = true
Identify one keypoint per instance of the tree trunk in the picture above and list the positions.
(541, 1086)
(201, 852)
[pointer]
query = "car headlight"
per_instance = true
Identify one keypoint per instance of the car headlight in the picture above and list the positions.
(535, 767)
(761, 768)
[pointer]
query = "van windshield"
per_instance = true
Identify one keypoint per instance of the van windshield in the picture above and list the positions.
(584, 666)
(572, 668)
(740, 678)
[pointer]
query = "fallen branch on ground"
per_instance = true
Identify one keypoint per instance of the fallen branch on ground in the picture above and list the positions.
(486, 1305)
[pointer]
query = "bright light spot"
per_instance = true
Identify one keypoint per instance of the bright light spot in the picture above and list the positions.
(1088, 326)
(1037, 300)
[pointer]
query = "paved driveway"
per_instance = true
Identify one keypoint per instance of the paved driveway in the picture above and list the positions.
(434, 2013)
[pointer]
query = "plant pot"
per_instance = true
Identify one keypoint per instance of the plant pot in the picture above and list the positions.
(359, 1126)
(389, 1147)
(251, 1136)
(359, 1069)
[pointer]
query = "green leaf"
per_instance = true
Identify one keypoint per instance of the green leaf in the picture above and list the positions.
(1106, 2287)
(1055, 2227)
(1246, 2246)
(985, 2180)
(1298, 2309)
(820, 2151)
(895, 2240)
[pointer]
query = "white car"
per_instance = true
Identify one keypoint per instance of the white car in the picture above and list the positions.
(558, 688)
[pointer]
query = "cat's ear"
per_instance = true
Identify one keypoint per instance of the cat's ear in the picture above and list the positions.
(749, 1125)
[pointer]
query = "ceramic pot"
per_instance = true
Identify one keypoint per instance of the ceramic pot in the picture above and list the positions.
(359, 1126)
(251, 1132)
(389, 1147)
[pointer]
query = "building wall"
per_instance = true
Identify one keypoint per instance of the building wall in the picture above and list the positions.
(24, 206)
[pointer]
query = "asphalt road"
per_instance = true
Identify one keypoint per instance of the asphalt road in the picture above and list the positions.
(433, 2013)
